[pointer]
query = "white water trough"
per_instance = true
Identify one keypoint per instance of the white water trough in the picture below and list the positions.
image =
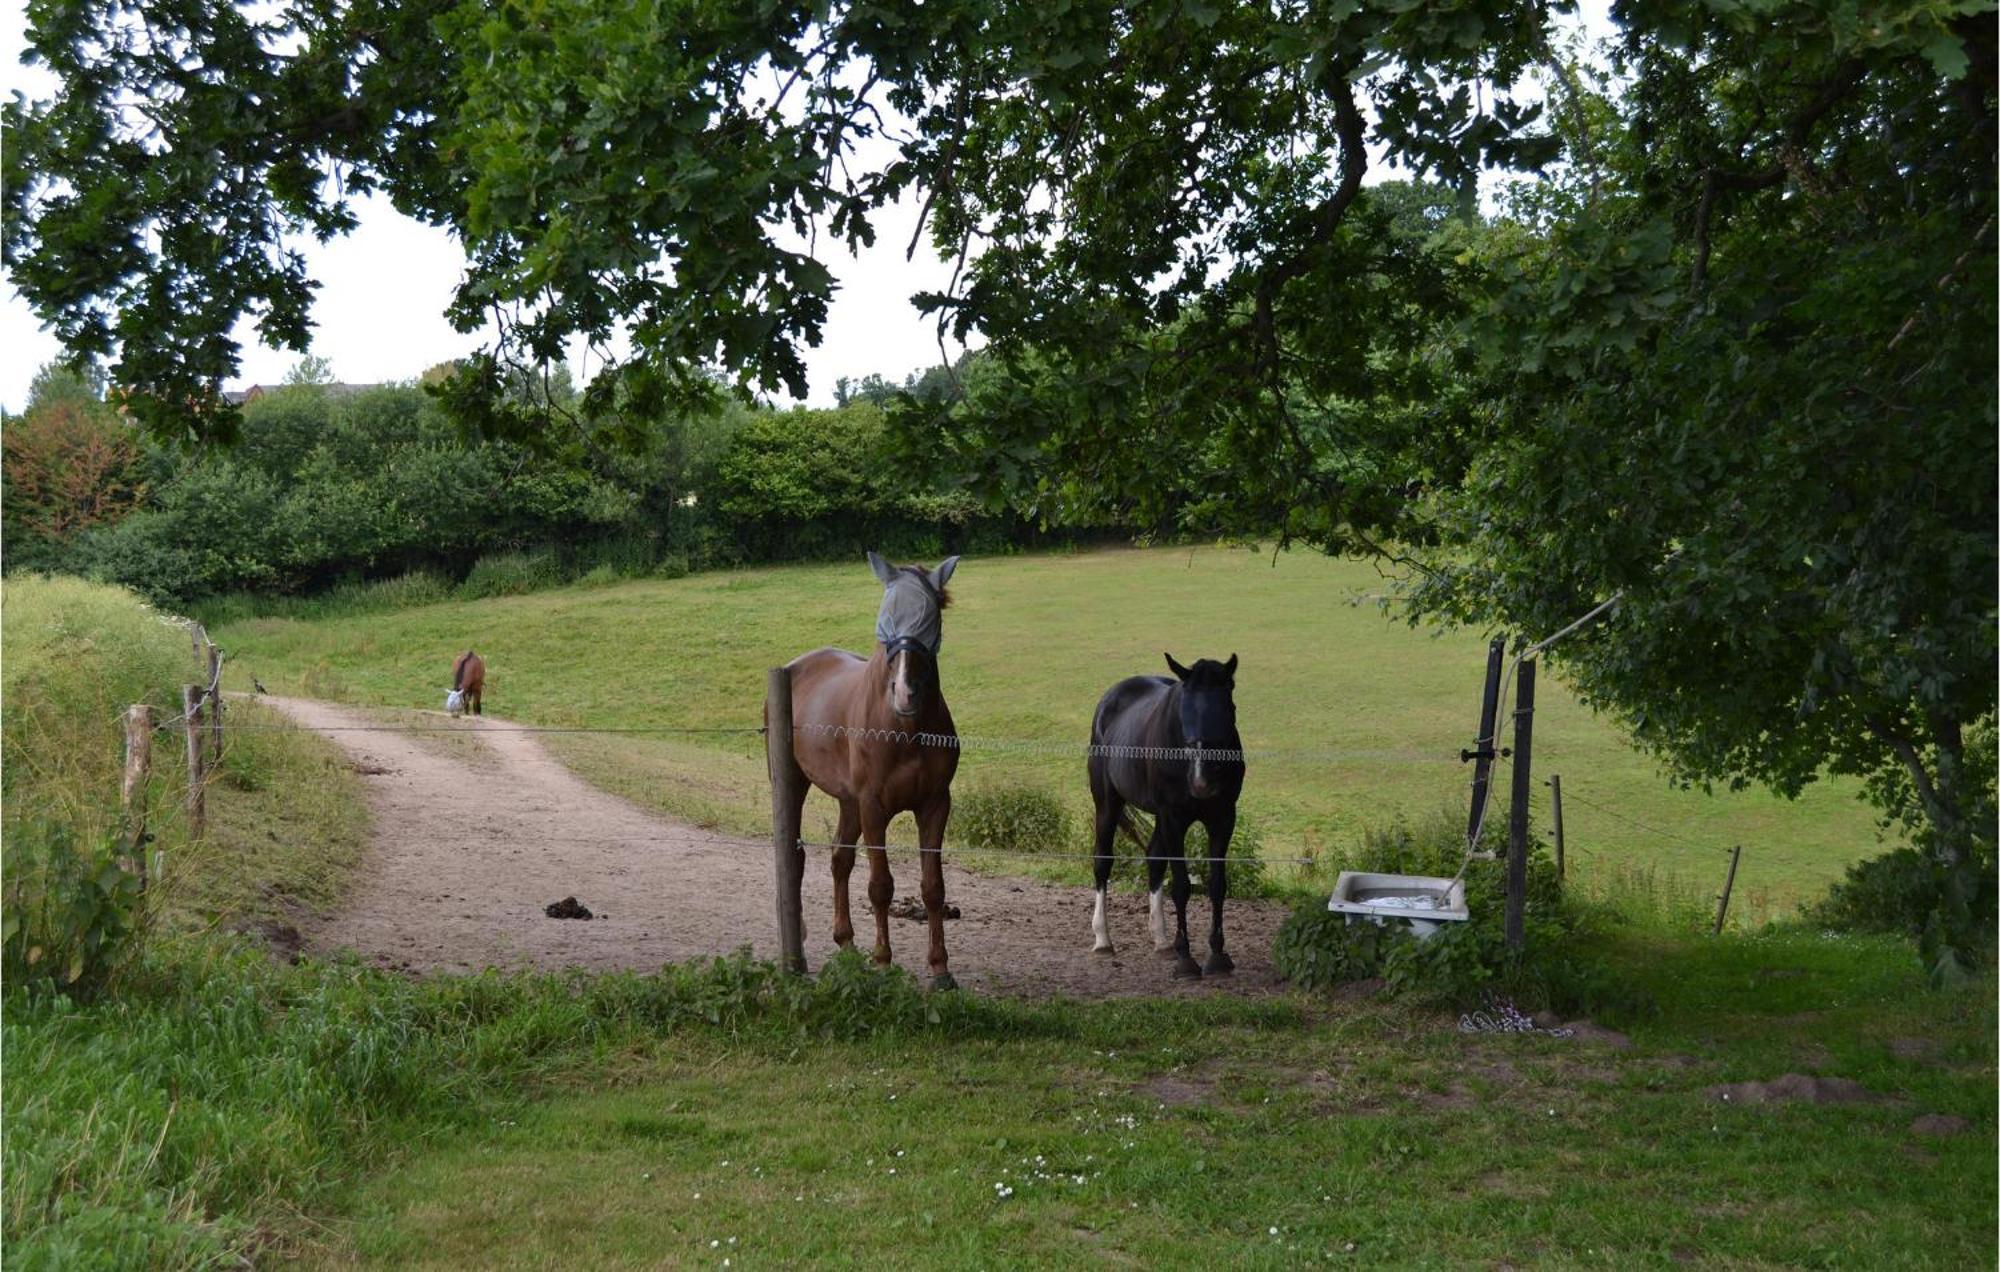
(1425, 902)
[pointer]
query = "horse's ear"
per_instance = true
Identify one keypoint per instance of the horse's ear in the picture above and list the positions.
(1178, 670)
(942, 575)
(1230, 666)
(883, 570)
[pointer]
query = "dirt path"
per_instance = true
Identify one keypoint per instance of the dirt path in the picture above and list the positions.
(471, 845)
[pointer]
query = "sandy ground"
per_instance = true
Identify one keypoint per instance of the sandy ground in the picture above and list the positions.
(469, 847)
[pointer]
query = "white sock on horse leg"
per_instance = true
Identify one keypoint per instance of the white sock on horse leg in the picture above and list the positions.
(1100, 926)
(1157, 912)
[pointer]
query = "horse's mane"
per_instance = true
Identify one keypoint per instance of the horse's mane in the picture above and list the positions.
(458, 670)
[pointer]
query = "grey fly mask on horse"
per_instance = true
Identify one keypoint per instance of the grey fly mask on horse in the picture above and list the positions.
(910, 619)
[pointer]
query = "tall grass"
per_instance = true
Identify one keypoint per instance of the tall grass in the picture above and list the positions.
(77, 654)
(188, 1119)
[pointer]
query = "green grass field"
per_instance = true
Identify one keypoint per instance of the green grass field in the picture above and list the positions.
(1244, 1134)
(218, 1107)
(1030, 644)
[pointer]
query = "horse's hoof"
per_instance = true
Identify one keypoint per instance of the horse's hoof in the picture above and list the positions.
(1187, 969)
(1219, 964)
(1101, 949)
(943, 981)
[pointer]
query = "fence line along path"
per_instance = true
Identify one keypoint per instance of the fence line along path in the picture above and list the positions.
(467, 851)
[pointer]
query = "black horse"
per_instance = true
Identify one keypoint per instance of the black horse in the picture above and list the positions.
(1148, 741)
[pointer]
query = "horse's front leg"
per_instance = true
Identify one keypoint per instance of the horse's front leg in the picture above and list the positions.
(1109, 808)
(844, 839)
(1174, 845)
(881, 886)
(1220, 827)
(930, 839)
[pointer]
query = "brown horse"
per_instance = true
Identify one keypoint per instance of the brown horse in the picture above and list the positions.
(856, 721)
(468, 680)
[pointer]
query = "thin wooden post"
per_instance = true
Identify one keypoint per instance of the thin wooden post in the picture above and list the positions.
(787, 795)
(1722, 906)
(138, 765)
(1556, 801)
(1487, 743)
(215, 704)
(198, 635)
(197, 804)
(1517, 822)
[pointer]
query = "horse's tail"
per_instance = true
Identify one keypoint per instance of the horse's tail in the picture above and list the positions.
(1131, 828)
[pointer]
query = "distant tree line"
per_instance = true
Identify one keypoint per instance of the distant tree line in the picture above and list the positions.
(330, 487)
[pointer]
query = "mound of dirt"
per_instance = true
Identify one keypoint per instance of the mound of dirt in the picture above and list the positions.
(567, 908)
(1939, 1125)
(1795, 1087)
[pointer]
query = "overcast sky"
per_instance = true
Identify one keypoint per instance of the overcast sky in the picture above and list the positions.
(383, 289)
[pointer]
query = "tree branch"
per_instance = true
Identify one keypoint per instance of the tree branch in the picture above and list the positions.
(1937, 808)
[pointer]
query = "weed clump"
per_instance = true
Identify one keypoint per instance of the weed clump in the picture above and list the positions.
(1023, 819)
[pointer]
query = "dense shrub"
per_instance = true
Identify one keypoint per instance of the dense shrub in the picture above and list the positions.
(1903, 892)
(806, 484)
(1012, 819)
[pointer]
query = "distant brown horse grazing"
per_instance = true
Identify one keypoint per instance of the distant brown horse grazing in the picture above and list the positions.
(872, 776)
(468, 679)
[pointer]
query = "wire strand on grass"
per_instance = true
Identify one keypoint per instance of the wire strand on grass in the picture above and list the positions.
(1636, 824)
(962, 742)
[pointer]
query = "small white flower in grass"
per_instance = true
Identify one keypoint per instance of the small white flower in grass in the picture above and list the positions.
(714, 1245)
(732, 1241)
(892, 1170)
(899, 1152)
(697, 1196)
(1274, 1232)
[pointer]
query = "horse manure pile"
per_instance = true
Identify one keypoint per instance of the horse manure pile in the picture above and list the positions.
(912, 908)
(568, 908)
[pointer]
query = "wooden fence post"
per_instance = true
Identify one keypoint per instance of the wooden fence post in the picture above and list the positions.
(138, 765)
(1487, 744)
(1556, 800)
(215, 704)
(787, 788)
(1517, 822)
(198, 635)
(1722, 906)
(197, 804)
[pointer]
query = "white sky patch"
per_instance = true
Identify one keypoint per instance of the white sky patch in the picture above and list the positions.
(379, 311)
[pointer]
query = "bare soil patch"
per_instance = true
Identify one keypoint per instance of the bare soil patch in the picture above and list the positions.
(476, 829)
(1939, 1125)
(1795, 1088)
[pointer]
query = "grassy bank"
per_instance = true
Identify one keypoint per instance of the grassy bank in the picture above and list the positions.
(1031, 643)
(151, 1113)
